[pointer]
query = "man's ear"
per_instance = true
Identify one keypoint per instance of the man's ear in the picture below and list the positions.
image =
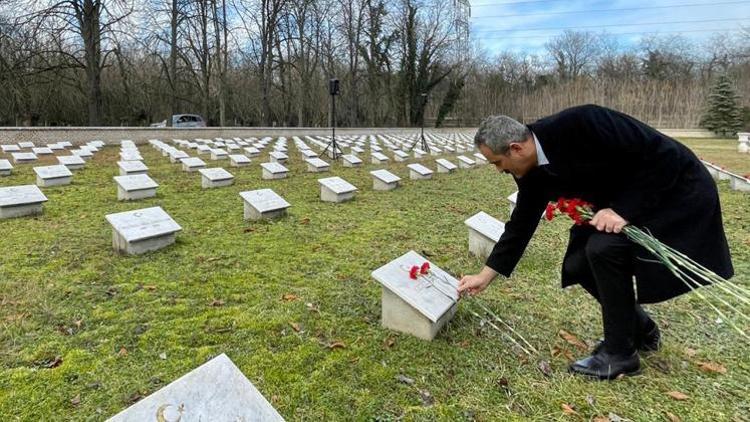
(515, 147)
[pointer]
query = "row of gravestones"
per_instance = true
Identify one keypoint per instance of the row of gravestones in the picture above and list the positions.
(418, 305)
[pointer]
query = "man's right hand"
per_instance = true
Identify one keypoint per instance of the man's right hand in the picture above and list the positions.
(476, 283)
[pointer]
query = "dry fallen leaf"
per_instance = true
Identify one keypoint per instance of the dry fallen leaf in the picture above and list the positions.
(150, 287)
(677, 395)
(289, 297)
(568, 409)
(673, 418)
(572, 339)
(75, 401)
(389, 342)
(601, 419)
(712, 367)
(305, 221)
(337, 345)
(217, 302)
(54, 363)
(690, 352)
(123, 352)
(296, 327)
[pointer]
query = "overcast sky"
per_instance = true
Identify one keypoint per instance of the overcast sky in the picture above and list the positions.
(515, 25)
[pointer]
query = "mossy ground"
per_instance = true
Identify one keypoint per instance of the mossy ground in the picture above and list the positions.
(274, 296)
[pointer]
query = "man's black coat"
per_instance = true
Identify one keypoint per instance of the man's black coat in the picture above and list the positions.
(615, 161)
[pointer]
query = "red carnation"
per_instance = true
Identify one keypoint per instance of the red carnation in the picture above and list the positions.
(425, 268)
(413, 272)
(549, 213)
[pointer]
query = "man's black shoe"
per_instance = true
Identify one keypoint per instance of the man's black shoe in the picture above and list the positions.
(607, 366)
(647, 342)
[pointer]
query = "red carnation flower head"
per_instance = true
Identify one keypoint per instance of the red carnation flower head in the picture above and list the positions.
(549, 213)
(414, 272)
(425, 268)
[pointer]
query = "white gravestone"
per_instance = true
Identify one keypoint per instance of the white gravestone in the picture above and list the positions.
(399, 155)
(308, 153)
(357, 150)
(445, 166)
(219, 154)
(204, 149)
(274, 171)
(215, 178)
(26, 145)
(263, 204)
(739, 183)
(5, 168)
(239, 160)
(138, 186)
(384, 180)
(42, 151)
(140, 231)
(10, 148)
(176, 157)
(278, 157)
(252, 152)
(513, 199)
(419, 172)
(72, 162)
(23, 157)
(378, 158)
(19, 201)
(336, 189)
(484, 232)
(351, 160)
(47, 176)
(83, 153)
(465, 162)
(130, 168)
(418, 153)
(192, 164)
(418, 307)
(316, 165)
(480, 159)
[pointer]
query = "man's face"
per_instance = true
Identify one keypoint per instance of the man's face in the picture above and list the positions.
(520, 158)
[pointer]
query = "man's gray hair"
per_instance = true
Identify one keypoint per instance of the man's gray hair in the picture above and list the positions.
(498, 132)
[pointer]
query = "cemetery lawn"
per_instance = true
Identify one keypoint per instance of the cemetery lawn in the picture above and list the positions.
(86, 332)
(722, 152)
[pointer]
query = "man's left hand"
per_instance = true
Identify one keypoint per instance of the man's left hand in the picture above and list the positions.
(606, 220)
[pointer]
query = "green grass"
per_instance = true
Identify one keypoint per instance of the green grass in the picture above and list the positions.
(722, 152)
(64, 293)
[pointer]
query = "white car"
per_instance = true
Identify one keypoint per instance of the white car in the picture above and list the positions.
(183, 120)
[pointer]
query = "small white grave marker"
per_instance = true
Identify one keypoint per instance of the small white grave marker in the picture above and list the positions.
(484, 232)
(47, 176)
(138, 186)
(480, 159)
(176, 157)
(23, 157)
(42, 151)
(215, 178)
(445, 166)
(378, 158)
(26, 145)
(384, 180)
(130, 168)
(278, 157)
(274, 171)
(140, 231)
(336, 189)
(465, 162)
(263, 204)
(83, 153)
(239, 160)
(5, 168)
(351, 160)
(513, 198)
(252, 152)
(10, 148)
(316, 165)
(419, 172)
(192, 164)
(219, 154)
(19, 201)
(418, 307)
(72, 162)
(399, 155)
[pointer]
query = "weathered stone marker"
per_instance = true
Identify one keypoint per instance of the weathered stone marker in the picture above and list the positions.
(445, 166)
(336, 189)
(138, 186)
(274, 171)
(5, 168)
(130, 168)
(239, 160)
(378, 158)
(48, 176)
(215, 178)
(316, 165)
(72, 162)
(484, 232)
(19, 201)
(23, 157)
(418, 307)
(419, 172)
(140, 231)
(351, 160)
(384, 180)
(193, 164)
(263, 204)
(465, 162)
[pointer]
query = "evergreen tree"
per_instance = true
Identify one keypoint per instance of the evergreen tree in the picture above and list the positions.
(722, 115)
